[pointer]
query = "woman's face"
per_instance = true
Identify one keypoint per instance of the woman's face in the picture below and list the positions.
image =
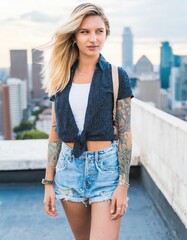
(91, 36)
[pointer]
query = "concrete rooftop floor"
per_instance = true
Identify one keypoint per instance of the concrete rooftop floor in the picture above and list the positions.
(22, 216)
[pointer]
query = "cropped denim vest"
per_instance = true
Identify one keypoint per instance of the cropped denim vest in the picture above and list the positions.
(98, 124)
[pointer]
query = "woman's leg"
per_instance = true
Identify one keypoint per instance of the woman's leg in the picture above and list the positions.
(79, 218)
(102, 227)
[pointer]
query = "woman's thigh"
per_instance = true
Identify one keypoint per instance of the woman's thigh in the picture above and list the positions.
(102, 227)
(79, 218)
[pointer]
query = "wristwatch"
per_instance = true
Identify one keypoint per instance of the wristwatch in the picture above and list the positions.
(45, 181)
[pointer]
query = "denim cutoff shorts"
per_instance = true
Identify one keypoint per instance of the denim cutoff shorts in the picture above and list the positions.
(92, 177)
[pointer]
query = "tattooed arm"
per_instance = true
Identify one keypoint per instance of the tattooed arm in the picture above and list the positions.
(123, 116)
(54, 145)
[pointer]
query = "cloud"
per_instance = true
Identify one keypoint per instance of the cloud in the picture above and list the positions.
(36, 16)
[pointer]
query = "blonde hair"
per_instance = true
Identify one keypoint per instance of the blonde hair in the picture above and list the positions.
(56, 70)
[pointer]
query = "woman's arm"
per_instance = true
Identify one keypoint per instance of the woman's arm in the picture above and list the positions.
(54, 146)
(123, 117)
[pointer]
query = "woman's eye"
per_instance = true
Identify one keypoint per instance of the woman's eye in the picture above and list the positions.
(84, 31)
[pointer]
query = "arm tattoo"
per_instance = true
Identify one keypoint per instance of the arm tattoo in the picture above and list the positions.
(123, 116)
(54, 147)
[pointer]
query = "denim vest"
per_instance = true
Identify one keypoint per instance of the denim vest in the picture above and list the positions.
(98, 124)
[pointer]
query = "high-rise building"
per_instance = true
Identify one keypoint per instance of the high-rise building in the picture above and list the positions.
(143, 66)
(37, 91)
(18, 100)
(166, 61)
(19, 67)
(182, 83)
(178, 80)
(148, 89)
(127, 49)
(5, 124)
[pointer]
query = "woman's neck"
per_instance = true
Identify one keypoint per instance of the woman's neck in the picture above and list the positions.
(87, 64)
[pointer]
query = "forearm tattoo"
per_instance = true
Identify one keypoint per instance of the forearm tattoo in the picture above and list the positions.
(123, 117)
(54, 147)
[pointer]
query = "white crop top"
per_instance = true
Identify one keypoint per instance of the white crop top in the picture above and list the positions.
(78, 99)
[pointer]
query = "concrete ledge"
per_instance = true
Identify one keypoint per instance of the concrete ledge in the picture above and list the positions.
(161, 140)
(174, 223)
(30, 154)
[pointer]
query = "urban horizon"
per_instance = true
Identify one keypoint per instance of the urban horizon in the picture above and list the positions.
(24, 27)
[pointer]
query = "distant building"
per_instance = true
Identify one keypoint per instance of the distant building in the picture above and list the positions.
(144, 66)
(37, 91)
(178, 81)
(19, 67)
(18, 100)
(5, 122)
(164, 99)
(44, 122)
(127, 49)
(148, 89)
(166, 61)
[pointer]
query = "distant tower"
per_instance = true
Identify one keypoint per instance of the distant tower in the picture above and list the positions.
(181, 83)
(18, 100)
(5, 124)
(127, 49)
(19, 67)
(143, 66)
(166, 60)
(37, 91)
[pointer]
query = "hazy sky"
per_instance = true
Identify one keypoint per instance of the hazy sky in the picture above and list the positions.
(25, 24)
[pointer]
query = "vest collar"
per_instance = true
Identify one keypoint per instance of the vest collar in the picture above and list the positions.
(101, 63)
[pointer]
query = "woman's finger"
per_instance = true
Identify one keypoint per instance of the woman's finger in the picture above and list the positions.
(112, 208)
(119, 212)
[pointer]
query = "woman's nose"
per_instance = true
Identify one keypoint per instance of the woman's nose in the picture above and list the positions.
(93, 38)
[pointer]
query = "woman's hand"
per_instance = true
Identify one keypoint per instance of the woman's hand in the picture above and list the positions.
(49, 201)
(119, 202)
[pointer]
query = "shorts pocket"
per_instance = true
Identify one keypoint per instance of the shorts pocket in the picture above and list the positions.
(109, 163)
(62, 161)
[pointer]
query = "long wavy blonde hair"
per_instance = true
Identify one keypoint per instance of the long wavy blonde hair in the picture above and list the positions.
(56, 69)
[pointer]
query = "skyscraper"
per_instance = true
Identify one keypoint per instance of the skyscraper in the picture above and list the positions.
(19, 67)
(143, 66)
(127, 49)
(166, 61)
(178, 80)
(18, 100)
(37, 91)
(5, 124)
(181, 87)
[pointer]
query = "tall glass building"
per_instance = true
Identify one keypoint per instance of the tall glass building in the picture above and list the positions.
(166, 61)
(127, 49)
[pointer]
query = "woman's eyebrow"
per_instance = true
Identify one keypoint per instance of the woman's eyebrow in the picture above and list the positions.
(88, 29)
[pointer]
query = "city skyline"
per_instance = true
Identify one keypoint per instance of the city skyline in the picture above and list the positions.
(25, 25)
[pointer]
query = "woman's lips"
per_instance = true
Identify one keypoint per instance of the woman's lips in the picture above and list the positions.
(92, 47)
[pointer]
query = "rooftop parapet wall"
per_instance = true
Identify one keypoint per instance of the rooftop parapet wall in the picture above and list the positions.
(161, 144)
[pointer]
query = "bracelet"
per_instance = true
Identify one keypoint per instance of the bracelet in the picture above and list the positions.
(45, 181)
(122, 182)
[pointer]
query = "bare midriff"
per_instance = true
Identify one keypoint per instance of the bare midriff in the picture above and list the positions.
(93, 145)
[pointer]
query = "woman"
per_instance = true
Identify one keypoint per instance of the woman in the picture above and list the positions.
(87, 168)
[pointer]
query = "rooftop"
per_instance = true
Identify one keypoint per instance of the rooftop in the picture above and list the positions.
(158, 184)
(23, 216)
